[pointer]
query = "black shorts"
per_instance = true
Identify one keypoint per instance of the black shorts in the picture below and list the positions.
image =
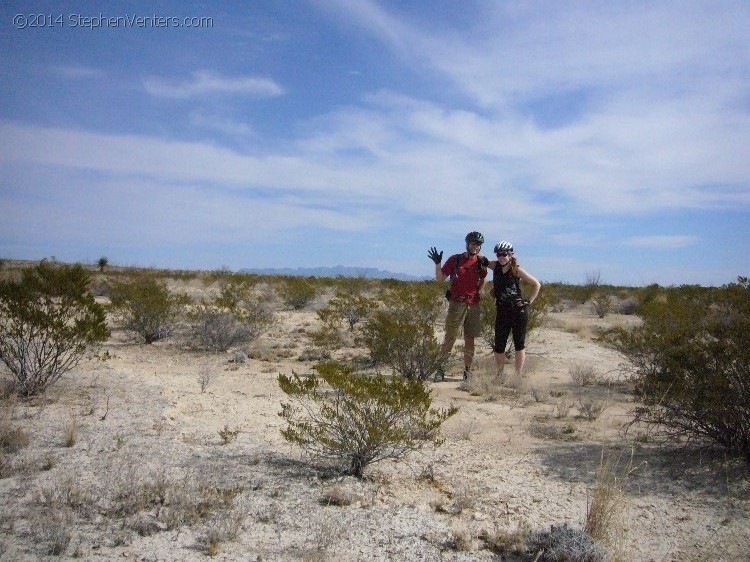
(510, 320)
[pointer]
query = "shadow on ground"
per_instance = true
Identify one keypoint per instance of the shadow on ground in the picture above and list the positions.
(652, 469)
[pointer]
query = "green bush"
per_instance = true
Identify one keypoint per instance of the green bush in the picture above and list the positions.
(146, 307)
(350, 308)
(357, 420)
(297, 292)
(402, 333)
(48, 321)
(692, 362)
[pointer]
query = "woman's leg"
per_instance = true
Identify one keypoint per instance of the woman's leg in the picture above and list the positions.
(500, 362)
(503, 327)
(520, 321)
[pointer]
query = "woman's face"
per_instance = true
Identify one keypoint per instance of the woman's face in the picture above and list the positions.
(503, 257)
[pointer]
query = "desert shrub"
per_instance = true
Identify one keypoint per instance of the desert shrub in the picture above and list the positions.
(297, 292)
(236, 317)
(629, 305)
(564, 544)
(207, 372)
(48, 321)
(350, 308)
(583, 375)
(691, 358)
(102, 263)
(356, 420)
(601, 303)
(401, 334)
(591, 409)
(146, 307)
(223, 528)
(228, 435)
(345, 307)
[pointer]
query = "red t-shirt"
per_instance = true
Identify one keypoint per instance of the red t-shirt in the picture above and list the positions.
(465, 283)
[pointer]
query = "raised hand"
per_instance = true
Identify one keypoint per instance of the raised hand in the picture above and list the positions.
(435, 256)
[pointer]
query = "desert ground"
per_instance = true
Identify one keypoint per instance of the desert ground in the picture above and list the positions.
(130, 459)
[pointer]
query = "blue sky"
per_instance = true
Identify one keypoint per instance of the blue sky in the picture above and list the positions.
(596, 136)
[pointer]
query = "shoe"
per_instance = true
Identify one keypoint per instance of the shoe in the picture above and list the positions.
(466, 374)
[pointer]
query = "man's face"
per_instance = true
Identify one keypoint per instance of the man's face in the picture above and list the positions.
(473, 247)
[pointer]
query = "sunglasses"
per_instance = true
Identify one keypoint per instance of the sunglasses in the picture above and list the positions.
(502, 254)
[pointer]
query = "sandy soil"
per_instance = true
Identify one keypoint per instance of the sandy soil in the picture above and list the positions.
(510, 460)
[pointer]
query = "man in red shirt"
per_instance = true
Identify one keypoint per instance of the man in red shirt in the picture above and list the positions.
(467, 273)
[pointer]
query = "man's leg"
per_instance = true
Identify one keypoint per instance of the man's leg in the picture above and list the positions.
(472, 327)
(453, 321)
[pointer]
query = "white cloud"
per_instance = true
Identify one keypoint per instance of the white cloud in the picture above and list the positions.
(205, 83)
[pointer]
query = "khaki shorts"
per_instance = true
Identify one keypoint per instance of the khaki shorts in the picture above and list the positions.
(460, 313)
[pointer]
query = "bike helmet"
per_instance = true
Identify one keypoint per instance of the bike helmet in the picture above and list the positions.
(475, 237)
(503, 247)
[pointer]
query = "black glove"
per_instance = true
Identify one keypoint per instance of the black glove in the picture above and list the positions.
(520, 303)
(484, 261)
(435, 256)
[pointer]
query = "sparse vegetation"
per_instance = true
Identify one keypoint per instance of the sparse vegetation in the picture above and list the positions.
(692, 365)
(48, 321)
(606, 507)
(236, 317)
(297, 292)
(148, 453)
(146, 307)
(591, 409)
(356, 420)
(583, 375)
(228, 435)
(401, 334)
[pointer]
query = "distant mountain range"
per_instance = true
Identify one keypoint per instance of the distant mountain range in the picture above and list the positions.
(337, 271)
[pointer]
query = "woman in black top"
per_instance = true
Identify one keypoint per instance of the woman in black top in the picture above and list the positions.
(510, 305)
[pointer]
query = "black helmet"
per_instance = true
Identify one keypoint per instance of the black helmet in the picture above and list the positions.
(475, 237)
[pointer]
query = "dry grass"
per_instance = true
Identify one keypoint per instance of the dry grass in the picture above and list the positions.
(606, 507)
(223, 528)
(70, 432)
(337, 496)
(583, 375)
(591, 409)
(511, 542)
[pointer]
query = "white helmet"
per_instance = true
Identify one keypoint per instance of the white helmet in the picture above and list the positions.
(503, 247)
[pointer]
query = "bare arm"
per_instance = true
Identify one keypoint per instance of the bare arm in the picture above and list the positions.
(531, 280)
(439, 276)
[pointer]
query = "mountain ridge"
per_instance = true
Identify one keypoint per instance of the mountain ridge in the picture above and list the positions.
(335, 271)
